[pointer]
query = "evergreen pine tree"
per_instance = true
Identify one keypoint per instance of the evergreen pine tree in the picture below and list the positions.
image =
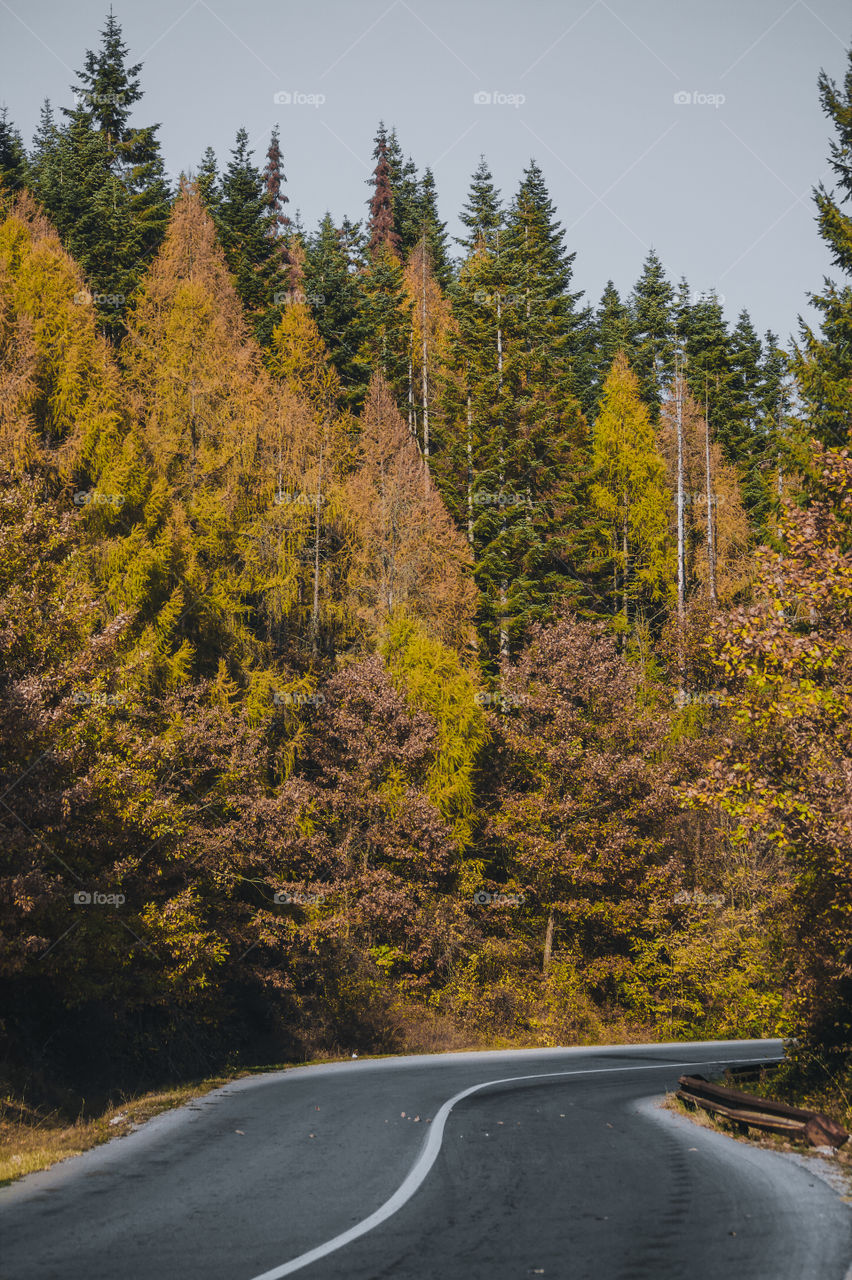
(207, 181)
(710, 375)
(515, 459)
(334, 288)
(653, 350)
(682, 314)
(381, 223)
(44, 143)
(540, 307)
(434, 230)
(772, 439)
(91, 209)
(405, 195)
(746, 361)
(274, 179)
(746, 395)
(13, 156)
(107, 92)
(387, 320)
(483, 213)
(823, 360)
(613, 332)
(247, 223)
(102, 180)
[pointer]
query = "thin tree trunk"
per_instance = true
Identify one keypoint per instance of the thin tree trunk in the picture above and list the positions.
(624, 577)
(681, 549)
(504, 631)
(425, 370)
(469, 474)
(499, 345)
(504, 586)
(708, 480)
(548, 945)
(315, 608)
(681, 555)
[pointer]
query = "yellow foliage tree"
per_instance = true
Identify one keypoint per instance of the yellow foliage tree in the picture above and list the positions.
(61, 397)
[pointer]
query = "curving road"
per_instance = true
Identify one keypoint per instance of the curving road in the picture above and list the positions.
(483, 1166)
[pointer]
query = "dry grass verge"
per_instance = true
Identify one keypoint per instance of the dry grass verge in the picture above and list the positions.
(31, 1139)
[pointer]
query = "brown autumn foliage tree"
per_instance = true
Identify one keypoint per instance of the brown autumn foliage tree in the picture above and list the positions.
(626, 890)
(365, 841)
(784, 775)
(583, 796)
(410, 555)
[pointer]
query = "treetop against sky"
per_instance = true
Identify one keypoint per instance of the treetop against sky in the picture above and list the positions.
(698, 134)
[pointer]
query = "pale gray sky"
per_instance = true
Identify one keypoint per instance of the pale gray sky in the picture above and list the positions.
(719, 186)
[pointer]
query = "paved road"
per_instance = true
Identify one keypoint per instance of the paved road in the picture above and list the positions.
(567, 1169)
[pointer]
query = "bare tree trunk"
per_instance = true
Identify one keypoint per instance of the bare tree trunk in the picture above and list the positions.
(504, 631)
(624, 551)
(499, 345)
(315, 608)
(711, 537)
(504, 586)
(548, 945)
(425, 369)
(469, 474)
(681, 547)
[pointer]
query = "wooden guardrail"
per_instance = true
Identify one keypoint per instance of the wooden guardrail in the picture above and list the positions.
(748, 1111)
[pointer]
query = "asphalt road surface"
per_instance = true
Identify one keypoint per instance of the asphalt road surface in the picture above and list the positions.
(475, 1166)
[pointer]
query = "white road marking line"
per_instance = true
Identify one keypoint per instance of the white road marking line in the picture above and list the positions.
(428, 1156)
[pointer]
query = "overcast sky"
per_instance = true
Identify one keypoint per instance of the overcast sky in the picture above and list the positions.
(689, 126)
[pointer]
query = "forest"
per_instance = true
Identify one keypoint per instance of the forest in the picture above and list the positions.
(399, 651)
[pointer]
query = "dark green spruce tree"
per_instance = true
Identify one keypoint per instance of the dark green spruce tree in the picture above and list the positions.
(405, 194)
(652, 356)
(823, 360)
(434, 230)
(613, 332)
(108, 89)
(101, 179)
(14, 170)
(334, 287)
(482, 215)
(386, 306)
(90, 207)
(247, 222)
(516, 471)
(207, 179)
